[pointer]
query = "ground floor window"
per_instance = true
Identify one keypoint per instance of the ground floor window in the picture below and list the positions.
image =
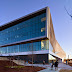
(34, 46)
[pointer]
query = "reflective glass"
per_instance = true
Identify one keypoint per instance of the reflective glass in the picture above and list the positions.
(50, 47)
(35, 46)
(31, 28)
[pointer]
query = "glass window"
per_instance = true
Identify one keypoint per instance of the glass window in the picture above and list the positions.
(50, 47)
(35, 46)
(30, 28)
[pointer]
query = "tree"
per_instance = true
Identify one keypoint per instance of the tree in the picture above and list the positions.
(31, 49)
(68, 12)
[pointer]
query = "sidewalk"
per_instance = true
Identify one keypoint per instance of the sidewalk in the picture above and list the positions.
(49, 70)
(61, 66)
(64, 66)
(48, 67)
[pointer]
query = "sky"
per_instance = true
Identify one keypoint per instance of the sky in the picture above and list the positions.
(62, 22)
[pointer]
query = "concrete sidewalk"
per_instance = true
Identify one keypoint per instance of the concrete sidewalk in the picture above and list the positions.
(64, 66)
(49, 70)
(48, 67)
(61, 66)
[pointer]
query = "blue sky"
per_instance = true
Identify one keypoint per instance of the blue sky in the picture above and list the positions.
(62, 22)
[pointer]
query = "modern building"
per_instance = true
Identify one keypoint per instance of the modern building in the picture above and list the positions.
(31, 35)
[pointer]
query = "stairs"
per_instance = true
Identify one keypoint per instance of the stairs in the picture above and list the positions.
(4, 58)
(19, 62)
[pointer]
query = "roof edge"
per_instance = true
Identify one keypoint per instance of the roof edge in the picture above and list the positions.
(2, 27)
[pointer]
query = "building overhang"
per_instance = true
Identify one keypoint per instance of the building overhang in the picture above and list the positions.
(54, 55)
(26, 53)
(26, 41)
(31, 52)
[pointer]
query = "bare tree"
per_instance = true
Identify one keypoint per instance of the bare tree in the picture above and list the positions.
(31, 49)
(68, 12)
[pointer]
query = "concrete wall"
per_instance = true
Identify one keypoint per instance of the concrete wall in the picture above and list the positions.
(51, 36)
(59, 51)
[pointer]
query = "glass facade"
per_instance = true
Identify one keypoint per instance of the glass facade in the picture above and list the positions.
(51, 57)
(50, 47)
(26, 30)
(35, 46)
(31, 28)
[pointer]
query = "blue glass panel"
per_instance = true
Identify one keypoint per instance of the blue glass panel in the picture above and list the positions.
(35, 46)
(25, 30)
